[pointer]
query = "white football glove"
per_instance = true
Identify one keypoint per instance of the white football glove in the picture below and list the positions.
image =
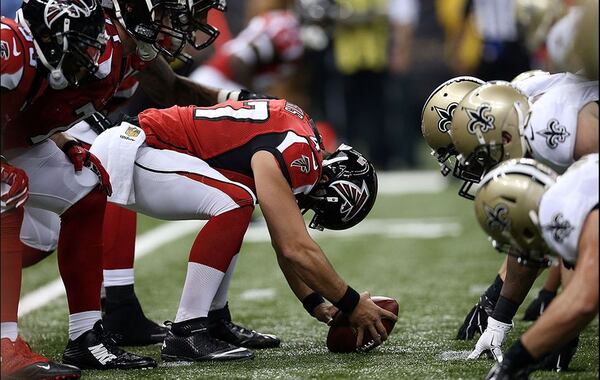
(491, 339)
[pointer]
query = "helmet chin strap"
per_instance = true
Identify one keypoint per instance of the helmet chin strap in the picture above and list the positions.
(56, 77)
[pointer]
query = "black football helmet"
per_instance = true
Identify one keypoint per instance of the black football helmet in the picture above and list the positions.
(166, 25)
(346, 192)
(198, 10)
(68, 36)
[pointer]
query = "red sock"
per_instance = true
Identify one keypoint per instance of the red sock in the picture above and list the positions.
(119, 237)
(10, 264)
(221, 239)
(80, 252)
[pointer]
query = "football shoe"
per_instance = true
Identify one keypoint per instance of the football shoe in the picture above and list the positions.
(96, 349)
(221, 327)
(189, 341)
(127, 324)
(19, 362)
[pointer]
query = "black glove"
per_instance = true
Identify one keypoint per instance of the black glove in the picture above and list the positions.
(247, 95)
(99, 122)
(560, 359)
(476, 320)
(517, 364)
(502, 371)
(539, 304)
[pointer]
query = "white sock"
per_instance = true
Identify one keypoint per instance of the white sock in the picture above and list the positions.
(9, 330)
(201, 284)
(82, 322)
(118, 277)
(220, 299)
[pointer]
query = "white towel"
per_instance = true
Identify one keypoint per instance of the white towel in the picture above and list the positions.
(117, 148)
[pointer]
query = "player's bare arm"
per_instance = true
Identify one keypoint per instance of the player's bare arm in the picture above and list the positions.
(160, 83)
(292, 241)
(322, 311)
(587, 131)
(577, 305)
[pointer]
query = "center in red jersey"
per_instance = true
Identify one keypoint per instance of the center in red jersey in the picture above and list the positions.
(227, 135)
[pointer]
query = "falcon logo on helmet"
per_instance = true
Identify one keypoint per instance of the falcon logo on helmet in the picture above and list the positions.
(497, 217)
(561, 228)
(481, 119)
(303, 163)
(75, 9)
(554, 134)
(445, 115)
(354, 198)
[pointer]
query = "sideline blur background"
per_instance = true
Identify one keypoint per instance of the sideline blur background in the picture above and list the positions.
(364, 68)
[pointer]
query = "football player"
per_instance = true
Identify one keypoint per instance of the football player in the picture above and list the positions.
(268, 48)
(47, 60)
(522, 205)
(135, 58)
(216, 163)
(496, 122)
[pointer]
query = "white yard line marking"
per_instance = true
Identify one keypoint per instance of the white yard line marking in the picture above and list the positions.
(263, 294)
(407, 182)
(454, 355)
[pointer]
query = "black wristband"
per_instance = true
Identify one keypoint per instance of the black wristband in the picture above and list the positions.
(311, 301)
(69, 144)
(517, 357)
(348, 302)
(505, 310)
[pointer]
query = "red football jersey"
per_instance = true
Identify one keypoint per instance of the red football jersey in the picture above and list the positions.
(228, 134)
(32, 110)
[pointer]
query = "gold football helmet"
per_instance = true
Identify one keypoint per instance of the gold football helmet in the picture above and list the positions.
(586, 40)
(535, 18)
(487, 128)
(528, 74)
(437, 115)
(506, 207)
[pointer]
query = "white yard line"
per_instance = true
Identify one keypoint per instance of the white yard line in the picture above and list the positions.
(389, 183)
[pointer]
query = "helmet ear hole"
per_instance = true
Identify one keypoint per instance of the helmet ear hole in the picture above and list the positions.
(506, 137)
(527, 233)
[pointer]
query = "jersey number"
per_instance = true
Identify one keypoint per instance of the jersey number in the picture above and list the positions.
(251, 111)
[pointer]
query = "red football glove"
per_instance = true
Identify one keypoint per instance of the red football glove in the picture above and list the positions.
(81, 157)
(19, 185)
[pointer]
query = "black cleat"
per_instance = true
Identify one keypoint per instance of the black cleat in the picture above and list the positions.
(127, 324)
(221, 327)
(189, 341)
(96, 349)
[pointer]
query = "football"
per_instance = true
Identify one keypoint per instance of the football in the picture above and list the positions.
(342, 338)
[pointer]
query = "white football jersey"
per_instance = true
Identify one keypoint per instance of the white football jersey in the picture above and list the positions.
(566, 205)
(552, 127)
(538, 84)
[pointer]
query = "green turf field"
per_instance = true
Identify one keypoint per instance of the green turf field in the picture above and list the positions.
(436, 281)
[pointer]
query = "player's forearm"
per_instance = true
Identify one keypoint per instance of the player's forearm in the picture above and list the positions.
(312, 267)
(300, 289)
(165, 87)
(518, 281)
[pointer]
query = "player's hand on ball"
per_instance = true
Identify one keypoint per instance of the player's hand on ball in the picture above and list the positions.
(491, 340)
(367, 317)
(325, 312)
